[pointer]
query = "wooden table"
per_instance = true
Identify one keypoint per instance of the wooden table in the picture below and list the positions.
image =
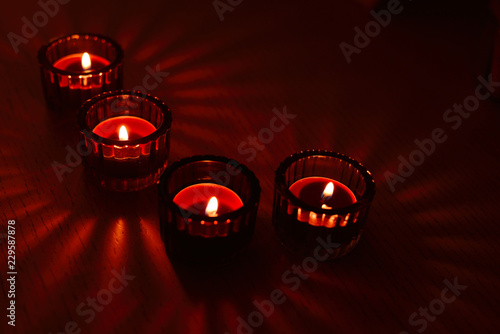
(439, 226)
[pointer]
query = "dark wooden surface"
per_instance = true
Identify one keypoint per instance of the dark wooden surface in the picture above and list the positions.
(225, 79)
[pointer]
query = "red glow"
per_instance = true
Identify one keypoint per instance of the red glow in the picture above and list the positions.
(316, 191)
(195, 198)
(78, 63)
(124, 128)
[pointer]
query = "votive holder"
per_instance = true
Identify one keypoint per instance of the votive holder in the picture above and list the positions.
(68, 80)
(301, 226)
(125, 164)
(189, 233)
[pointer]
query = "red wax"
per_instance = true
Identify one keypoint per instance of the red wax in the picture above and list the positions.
(310, 190)
(136, 127)
(73, 63)
(195, 198)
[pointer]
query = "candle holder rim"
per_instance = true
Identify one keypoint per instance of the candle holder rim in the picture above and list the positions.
(252, 200)
(364, 201)
(162, 129)
(43, 61)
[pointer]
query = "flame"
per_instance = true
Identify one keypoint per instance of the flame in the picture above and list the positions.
(123, 134)
(212, 207)
(86, 63)
(328, 192)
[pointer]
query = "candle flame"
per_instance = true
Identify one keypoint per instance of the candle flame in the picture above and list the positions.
(212, 207)
(86, 63)
(123, 134)
(328, 192)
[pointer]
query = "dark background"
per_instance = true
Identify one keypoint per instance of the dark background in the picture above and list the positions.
(225, 79)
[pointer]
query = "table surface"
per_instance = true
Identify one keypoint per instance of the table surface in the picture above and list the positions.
(225, 79)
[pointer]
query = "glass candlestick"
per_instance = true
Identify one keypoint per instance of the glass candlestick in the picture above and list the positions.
(126, 139)
(78, 66)
(321, 195)
(208, 207)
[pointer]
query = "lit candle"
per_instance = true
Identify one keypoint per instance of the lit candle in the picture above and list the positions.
(324, 193)
(208, 208)
(321, 195)
(76, 67)
(196, 197)
(127, 135)
(81, 62)
(124, 128)
(210, 200)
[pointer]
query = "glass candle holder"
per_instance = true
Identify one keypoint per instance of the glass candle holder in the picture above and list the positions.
(190, 229)
(321, 198)
(69, 77)
(125, 139)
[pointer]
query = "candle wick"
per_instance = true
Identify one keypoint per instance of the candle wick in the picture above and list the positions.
(325, 198)
(323, 201)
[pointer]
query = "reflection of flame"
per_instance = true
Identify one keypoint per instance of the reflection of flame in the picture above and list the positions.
(123, 134)
(212, 207)
(86, 64)
(328, 192)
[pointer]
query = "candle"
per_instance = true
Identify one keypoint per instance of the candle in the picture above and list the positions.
(127, 135)
(208, 207)
(81, 62)
(324, 193)
(210, 200)
(124, 128)
(195, 199)
(321, 195)
(78, 66)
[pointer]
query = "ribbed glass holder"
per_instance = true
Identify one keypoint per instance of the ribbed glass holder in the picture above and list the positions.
(340, 228)
(125, 165)
(192, 236)
(66, 90)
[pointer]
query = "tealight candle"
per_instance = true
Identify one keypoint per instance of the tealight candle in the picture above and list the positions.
(208, 207)
(321, 195)
(211, 200)
(78, 66)
(81, 62)
(196, 198)
(128, 137)
(124, 128)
